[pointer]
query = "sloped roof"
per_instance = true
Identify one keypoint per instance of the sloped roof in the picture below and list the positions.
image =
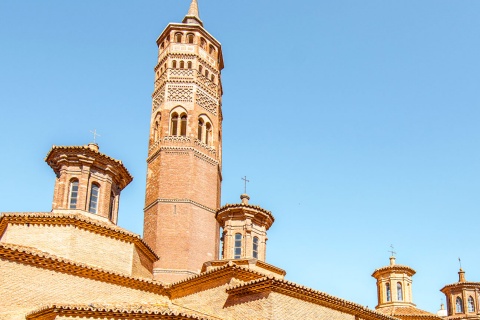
(123, 311)
(407, 313)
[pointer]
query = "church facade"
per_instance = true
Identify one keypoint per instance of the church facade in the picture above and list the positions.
(75, 262)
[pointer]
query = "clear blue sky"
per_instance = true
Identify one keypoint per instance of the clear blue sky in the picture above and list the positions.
(356, 121)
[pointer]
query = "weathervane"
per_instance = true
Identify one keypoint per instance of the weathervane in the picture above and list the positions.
(392, 251)
(460, 262)
(95, 134)
(245, 179)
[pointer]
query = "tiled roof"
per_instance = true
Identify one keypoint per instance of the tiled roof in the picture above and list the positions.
(123, 311)
(40, 259)
(285, 287)
(407, 312)
(466, 284)
(201, 282)
(243, 205)
(396, 267)
(78, 220)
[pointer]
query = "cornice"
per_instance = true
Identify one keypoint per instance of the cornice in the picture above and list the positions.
(394, 268)
(79, 221)
(467, 284)
(228, 209)
(39, 259)
(270, 284)
(139, 311)
(60, 154)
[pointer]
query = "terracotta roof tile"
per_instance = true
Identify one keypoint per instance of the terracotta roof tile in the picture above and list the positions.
(40, 259)
(407, 312)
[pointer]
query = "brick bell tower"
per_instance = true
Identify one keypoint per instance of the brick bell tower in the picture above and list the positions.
(184, 161)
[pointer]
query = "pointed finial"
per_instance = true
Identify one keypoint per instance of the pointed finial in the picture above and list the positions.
(193, 17)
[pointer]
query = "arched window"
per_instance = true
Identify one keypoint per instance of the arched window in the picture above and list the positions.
(200, 129)
(182, 64)
(178, 37)
(189, 65)
(206, 73)
(213, 78)
(471, 304)
(174, 124)
(174, 64)
(183, 128)
(73, 194)
(459, 305)
(203, 44)
(211, 49)
(255, 247)
(200, 69)
(208, 133)
(161, 46)
(387, 290)
(94, 192)
(155, 131)
(237, 250)
(399, 292)
(112, 206)
(190, 38)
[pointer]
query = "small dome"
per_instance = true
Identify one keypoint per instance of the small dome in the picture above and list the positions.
(442, 312)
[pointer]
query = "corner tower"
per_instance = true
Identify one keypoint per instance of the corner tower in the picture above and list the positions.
(185, 150)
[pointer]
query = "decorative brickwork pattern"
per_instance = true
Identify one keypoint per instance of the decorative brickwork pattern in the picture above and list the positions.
(180, 93)
(206, 102)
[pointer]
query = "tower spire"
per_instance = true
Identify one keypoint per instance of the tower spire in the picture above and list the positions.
(193, 17)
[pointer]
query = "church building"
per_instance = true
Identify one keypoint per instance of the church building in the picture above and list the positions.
(196, 258)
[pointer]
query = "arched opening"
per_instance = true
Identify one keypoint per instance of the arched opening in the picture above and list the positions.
(208, 133)
(73, 194)
(183, 128)
(459, 305)
(94, 193)
(200, 129)
(174, 64)
(182, 65)
(200, 69)
(211, 49)
(203, 43)
(111, 207)
(178, 37)
(189, 65)
(190, 38)
(471, 304)
(213, 78)
(399, 292)
(162, 46)
(206, 73)
(255, 247)
(237, 250)
(174, 124)
(388, 292)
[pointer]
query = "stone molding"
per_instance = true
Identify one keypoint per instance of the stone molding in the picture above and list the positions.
(201, 206)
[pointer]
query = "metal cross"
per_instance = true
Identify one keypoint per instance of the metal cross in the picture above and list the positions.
(391, 251)
(460, 262)
(245, 179)
(95, 134)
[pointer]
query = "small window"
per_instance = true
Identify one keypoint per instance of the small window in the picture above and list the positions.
(459, 305)
(73, 194)
(471, 304)
(213, 78)
(183, 128)
(211, 49)
(174, 64)
(162, 46)
(112, 206)
(189, 65)
(200, 129)
(182, 65)
(399, 292)
(208, 132)
(203, 44)
(190, 38)
(155, 131)
(94, 192)
(174, 124)
(237, 253)
(389, 293)
(255, 247)
(178, 37)
(206, 73)
(200, 69)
